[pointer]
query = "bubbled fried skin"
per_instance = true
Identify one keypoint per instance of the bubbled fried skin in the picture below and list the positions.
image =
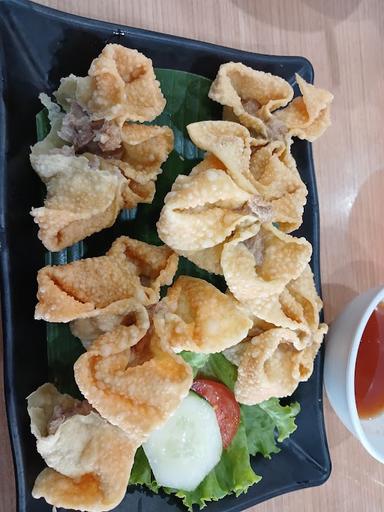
(250, 96)
(258, 266)
(121, 86)
(270, 365)
(260, 100)
(79, 202)
(278, 182)
(86, 193)
(202, 210)
(128, 314)
(197, 317)
(307, 116)
(144, 150)
(89, 459)
(230, 143)
(119, 378)
(85, 288)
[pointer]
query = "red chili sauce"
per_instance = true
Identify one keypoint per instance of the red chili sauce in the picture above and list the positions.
(369, 371)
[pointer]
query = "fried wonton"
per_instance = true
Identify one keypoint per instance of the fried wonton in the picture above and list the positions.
(297, 308)
(134, 384)
(230, 143)
(82, 198)
(86, 192)
(80, 201)
(121, 86)
(258, 267)
(278, 182)
(308, 116)
(196, 316)
(257, 100)
(202, 210)
(250, 96)
(84, 288)
(271, 366)
(89, 459)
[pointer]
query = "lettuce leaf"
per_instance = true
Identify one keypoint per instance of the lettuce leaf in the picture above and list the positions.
(141, 473)
(261, 427)
(261, 422)
(195, 360)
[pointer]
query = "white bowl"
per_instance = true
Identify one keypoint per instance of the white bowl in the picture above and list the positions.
(342, 346)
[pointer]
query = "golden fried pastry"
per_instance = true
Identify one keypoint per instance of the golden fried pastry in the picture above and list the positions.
(296, 308)
(196, 316)
(80, 201)
(308, 116)
(250, 97)
(134, 384)
(257, 265)
(255, 100)
(86, 192)
(89, 459)
(84, 288)
(143, 151)
(271, 366)
(208, 259)
(121, 86)
(127, 313)
(300, 301)
(202, 210)
(155, 265)
(278, 182)
(230, 143)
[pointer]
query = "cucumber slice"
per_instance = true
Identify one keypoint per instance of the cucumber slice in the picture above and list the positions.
(185, 449)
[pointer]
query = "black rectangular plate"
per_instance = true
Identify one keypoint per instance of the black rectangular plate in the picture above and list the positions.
(38, 46)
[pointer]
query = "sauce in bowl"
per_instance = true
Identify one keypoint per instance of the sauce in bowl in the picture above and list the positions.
(369, 370)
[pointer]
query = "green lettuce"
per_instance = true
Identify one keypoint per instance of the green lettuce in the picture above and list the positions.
(263, 420)
(196, 361)
(261, 428)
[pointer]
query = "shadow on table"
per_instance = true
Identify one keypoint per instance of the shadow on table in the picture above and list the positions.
(362, 264)
(269, 11)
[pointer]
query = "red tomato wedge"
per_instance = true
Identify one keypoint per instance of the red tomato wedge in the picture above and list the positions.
(224, 404)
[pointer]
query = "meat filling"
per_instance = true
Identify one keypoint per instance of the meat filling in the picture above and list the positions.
(100, 137)
(60, 414)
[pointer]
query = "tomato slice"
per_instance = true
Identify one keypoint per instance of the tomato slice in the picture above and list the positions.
(224, 404)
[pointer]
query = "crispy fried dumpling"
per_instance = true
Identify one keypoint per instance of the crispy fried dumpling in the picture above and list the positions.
(278, 182)
(198, 317)
(296, 308)
(250, 96)
(80, 201)
(271, 366)
(260, 100)
(89, 459)
(143, 151)
(121, 86)
(136, 385)
(84, 288)
(258, 266)
(128, 314)
(86, 192)
(93, 163)
(308, 116)
(230, 143)
(202, 210)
